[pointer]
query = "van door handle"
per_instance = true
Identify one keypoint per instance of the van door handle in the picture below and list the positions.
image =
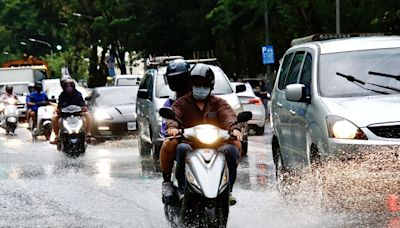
(292, 112)
(279, 104)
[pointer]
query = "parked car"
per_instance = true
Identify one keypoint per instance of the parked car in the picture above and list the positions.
(335, 97)
(254, 104)
(154, 91)
(20, 89)
(126, 80)
(113, 110)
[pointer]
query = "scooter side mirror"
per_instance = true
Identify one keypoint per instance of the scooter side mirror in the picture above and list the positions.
(244, 116)
(167, 113)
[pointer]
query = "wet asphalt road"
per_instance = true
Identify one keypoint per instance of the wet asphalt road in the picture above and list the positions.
(112, 186)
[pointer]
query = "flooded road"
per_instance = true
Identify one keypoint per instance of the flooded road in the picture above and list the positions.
(112, 186)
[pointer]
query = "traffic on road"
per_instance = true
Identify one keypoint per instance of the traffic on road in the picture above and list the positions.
(184, 146)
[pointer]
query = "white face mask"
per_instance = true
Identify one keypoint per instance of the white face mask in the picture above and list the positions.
(200, 92)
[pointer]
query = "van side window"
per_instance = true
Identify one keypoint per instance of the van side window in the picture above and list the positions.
(294, 68)
(145, 82)
(305, 77)
(284, 70)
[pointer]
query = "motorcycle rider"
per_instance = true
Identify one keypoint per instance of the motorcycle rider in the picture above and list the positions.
(4, 99)
(177, 77)
(200, 107)
(37, 99)
(31, 88)
(71, 96)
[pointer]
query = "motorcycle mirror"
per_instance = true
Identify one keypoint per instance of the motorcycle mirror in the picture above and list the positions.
(167, 113)
(244, 116)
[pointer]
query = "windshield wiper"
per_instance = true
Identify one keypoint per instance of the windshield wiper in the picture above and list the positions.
(397, 77)
(355, 81)
(350, 78)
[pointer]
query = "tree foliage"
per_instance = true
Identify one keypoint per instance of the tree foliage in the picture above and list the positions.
(231, 30)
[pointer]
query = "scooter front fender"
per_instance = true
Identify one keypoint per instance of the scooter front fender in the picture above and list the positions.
(205, 177)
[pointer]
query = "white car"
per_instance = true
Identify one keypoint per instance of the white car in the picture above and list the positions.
(334, 98)
(254, 104)
(127, 80)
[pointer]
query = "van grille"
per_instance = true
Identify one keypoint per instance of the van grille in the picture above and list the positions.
(386, 131)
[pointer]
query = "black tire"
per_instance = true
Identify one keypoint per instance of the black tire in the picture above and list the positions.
(144, 147)
(284, 181)
(260, 130)
(245, 148)
(193, 212)
(155, 150)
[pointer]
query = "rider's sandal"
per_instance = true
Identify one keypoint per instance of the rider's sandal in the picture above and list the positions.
(90, 138)
(55, 141)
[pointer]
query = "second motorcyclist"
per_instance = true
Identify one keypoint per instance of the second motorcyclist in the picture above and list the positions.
(177, 77)
(36, 99)
(200, 107)
(71, 96)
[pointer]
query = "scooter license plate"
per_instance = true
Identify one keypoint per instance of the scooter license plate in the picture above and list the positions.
(131, 126)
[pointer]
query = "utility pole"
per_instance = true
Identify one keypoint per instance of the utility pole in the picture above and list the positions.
(267, 36)
(337, 16)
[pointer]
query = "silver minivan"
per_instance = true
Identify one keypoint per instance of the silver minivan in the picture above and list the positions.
(152, 94)
(336, 98)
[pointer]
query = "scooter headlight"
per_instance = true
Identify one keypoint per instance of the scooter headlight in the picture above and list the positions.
(207, 134)
(73, 127)
(12, 119)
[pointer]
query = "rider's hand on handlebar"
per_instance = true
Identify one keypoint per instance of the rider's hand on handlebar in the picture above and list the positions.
(172, 132)
(238, 134)
(85, 109)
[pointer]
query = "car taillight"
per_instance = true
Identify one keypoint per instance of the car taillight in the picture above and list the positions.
(256, 101)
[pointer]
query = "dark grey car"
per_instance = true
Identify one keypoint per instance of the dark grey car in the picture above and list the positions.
(113, 110)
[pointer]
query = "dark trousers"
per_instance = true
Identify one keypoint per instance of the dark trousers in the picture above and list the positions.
(231, 154)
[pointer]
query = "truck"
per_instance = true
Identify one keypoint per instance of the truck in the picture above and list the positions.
(23, 74)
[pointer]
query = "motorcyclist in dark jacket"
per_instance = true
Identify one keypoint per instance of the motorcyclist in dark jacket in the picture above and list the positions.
(200, 107)
(71, 96)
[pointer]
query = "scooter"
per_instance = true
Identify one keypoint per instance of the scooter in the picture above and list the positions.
(9, 116)
(44, 116)
(205, 200)
(72, 132)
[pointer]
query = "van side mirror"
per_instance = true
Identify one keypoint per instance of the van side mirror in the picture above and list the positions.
(297, 93)
(240, 88)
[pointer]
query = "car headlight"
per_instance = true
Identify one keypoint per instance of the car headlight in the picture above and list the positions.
(207, 134)
(341, 128)
(101, 115)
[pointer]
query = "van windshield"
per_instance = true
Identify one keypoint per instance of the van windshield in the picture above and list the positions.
(222, 85)
(356, 66)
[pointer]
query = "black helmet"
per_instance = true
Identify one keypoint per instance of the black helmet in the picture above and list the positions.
(202, 73)
(9, 89)
(38, 85)
(177, 75)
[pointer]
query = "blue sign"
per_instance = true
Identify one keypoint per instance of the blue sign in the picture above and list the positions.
(268, 54)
